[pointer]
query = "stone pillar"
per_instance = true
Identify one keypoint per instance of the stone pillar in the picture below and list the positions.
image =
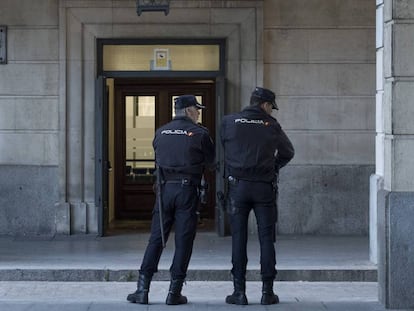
(395, 149)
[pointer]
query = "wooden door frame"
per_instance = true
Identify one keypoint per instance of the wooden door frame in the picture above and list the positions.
(171, 86)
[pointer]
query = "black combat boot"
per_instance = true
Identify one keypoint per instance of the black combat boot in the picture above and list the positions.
(141, 294)
(239, 294)
(174, 294)
(268, 296)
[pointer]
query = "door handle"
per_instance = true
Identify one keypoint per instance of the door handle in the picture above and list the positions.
(109, 166)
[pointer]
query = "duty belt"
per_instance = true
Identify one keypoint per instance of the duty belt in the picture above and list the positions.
(232, 180)
(183, 181)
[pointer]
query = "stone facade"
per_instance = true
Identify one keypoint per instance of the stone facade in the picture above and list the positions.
(319, 58)
(394, 189)
(29, 119)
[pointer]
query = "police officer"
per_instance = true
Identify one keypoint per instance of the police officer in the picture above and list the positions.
(183, 149)
(255, 148)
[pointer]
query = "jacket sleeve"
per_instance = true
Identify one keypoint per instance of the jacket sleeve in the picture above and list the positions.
(285, 151)
(209, 151)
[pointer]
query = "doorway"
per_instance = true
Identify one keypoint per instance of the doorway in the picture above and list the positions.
(140, 106)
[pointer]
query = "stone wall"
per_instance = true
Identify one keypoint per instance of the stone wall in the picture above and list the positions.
(29, 117)
(395, 148)
(27, 199)
(319, 57)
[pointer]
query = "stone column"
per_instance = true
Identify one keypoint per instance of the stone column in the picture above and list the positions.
(395, 153)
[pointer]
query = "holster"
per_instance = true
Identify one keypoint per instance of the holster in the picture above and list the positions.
(232, 183)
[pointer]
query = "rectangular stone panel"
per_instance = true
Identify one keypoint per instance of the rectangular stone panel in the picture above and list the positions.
(380, 27)
(403, 50)
(403, 107)
(403, 163)
(356, 12)
(379, 103)
(23, 113)
(319, 45)
(177, 16)
(356, 79)
(75, 165)
(285, 45)
(36, 114)
(324, 199)
(92, 217)
(342, 45)
(403, 9)
(319, 13)
(29, 79)
(321, 79)
(388, 10)
(379, 154)
(33, 45)
(299, 13)
(92, 15)
(89, 132)
(326, 113)
(231, 15)
(388, 161)
(29, 12)
(7, 114)
(380, 69)
(74, 95)
(93, 3)
(387, 106)
(29, 148)
(78, 218)
(160, 30)
(382, 228)
(400, 254)
(333, 148)
(246, 83)
(388, 51)
(28, 195)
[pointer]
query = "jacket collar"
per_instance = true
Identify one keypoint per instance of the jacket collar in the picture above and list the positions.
(257, 112)
(183, 118)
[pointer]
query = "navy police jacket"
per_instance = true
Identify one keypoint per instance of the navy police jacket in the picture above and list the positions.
(255, 146)
(183, 147)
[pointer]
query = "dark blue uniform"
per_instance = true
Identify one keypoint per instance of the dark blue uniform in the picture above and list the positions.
(255, 148)
(183, 150)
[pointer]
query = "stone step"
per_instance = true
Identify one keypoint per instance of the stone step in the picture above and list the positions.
(126, 275)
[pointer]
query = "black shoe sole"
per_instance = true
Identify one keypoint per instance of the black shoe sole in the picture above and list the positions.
(231, 301)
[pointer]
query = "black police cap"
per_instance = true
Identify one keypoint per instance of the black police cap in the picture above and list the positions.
(185, 101)
(265, 95)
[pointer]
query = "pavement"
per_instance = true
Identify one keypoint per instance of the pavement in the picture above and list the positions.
(96, 273)
(117, 258)
(202, 295)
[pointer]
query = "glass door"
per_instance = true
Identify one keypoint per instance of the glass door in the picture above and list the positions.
(140, 130)
(139, 110)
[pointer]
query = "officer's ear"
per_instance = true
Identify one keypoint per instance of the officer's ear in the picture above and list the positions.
(188, 111)
(263, 105)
